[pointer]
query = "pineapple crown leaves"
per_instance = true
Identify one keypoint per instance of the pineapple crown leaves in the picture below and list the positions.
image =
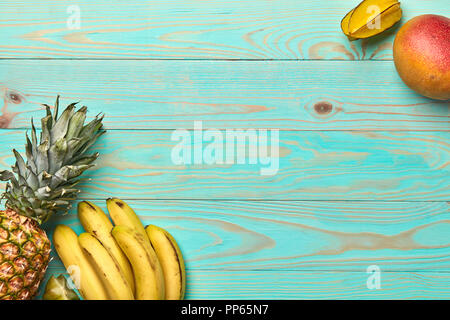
(46, 182)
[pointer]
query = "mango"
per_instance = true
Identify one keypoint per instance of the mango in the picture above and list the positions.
(422, 55)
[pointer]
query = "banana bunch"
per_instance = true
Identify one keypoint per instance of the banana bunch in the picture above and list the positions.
(124, 261)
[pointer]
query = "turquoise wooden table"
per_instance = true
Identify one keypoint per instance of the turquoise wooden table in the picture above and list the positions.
(363, 175)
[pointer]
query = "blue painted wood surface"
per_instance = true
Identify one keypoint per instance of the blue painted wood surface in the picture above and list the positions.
(363, 176)
(192, 29)
(286, 95)
(312, 165)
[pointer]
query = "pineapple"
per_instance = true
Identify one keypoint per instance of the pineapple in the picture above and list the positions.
(37, 189)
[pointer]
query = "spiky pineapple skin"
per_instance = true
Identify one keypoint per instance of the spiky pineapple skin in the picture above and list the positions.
(24, 256)
(39, 187)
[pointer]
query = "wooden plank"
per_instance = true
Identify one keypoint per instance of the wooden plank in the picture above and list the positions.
(312, 95)
(190, 29)
(300, 236)
(315, 285)
(332, 165)
(211, 284)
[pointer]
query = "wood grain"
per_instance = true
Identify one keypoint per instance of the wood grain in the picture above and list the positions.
(302, 236)
(311, 95)
(190, 29)
(286, 285)
(315, 285)
(363, 167)
(312, 166)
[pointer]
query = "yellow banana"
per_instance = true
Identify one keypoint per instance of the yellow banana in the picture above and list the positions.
(82, 272)
(171, 260)
(97, 223)
(107, 268)
(148, 274)
(123, 215)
